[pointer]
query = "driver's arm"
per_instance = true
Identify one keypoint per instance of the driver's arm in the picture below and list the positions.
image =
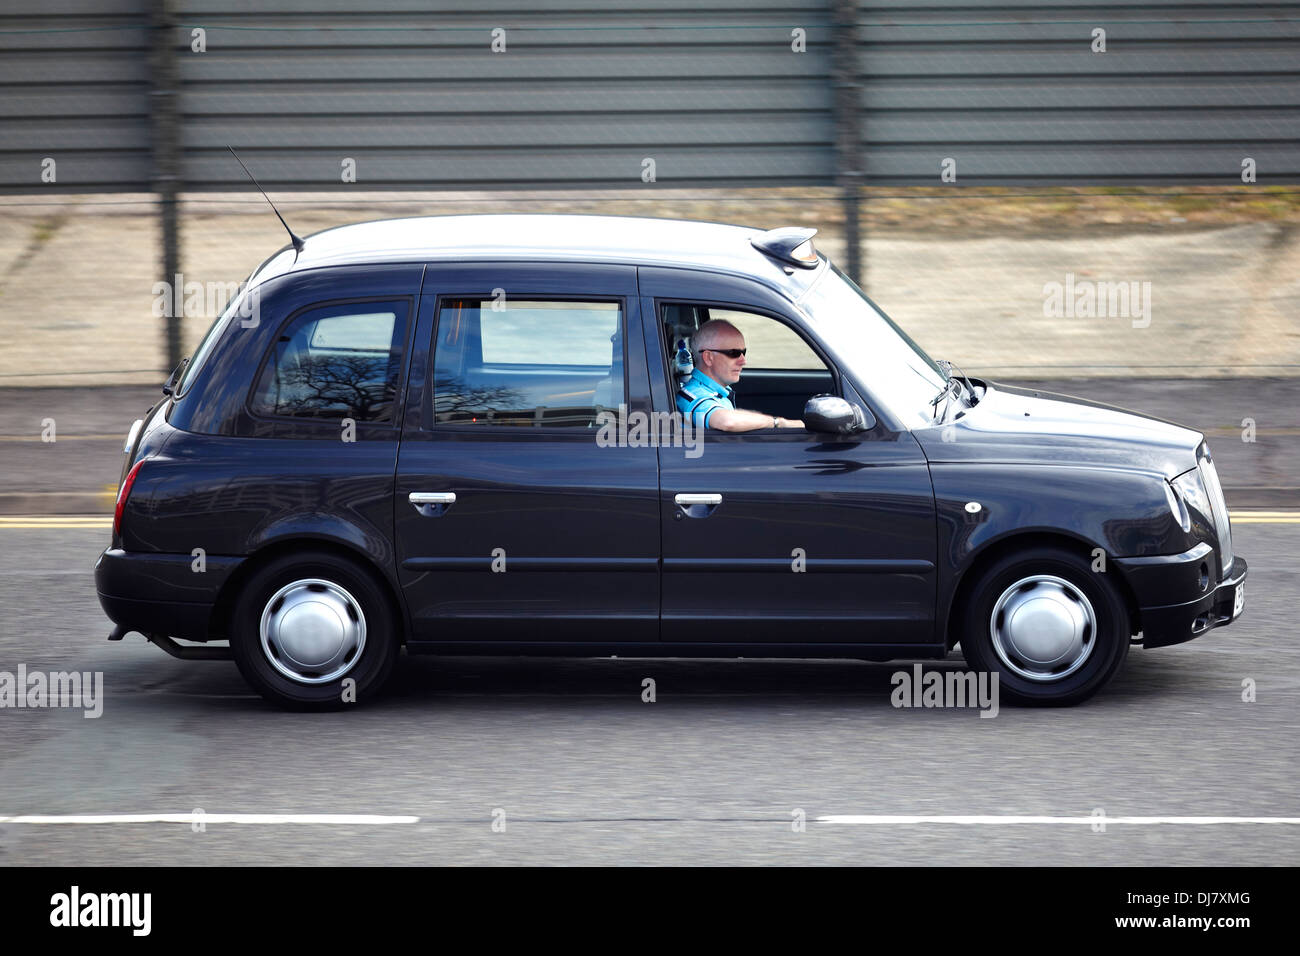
(743, 420)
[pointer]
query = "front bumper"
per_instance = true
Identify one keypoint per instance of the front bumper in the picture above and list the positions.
(1177, 599)
(161, 593)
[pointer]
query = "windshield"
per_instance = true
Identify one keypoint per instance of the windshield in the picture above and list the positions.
(896, 369)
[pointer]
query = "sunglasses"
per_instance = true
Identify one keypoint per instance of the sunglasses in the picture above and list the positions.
(729, 353)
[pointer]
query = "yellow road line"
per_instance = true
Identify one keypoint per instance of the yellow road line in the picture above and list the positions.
(56, 527)
(58, 438)
(1265, 517)
(69, 521)
(52, 518)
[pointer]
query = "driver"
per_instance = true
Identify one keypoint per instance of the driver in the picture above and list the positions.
(704, 398)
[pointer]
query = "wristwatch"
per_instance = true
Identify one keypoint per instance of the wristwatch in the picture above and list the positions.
(775, 422)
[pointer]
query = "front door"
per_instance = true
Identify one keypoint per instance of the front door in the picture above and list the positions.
(781, 536)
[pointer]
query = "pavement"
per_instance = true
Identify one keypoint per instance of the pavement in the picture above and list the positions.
(77, 472)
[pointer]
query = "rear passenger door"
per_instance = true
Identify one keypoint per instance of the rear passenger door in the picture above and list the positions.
(518, 519)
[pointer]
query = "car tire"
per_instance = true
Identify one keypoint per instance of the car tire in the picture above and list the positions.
(1053, 630)
(306, 624)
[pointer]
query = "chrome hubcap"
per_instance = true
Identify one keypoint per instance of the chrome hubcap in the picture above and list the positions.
(1043, 628)
(313, 631)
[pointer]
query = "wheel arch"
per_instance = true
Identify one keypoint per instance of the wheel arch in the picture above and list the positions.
(220, 623)
(1019, 541)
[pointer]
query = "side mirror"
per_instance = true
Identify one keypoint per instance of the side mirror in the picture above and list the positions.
(830, 413)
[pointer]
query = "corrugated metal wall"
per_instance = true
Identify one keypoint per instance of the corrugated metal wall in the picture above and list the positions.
(1015, 93)
(74, 87)
(713, 93)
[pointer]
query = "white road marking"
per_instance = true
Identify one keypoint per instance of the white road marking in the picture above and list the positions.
(1004, 820)
(331, 819)
(369, 819)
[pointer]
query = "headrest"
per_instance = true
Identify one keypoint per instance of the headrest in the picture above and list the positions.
(683, 364)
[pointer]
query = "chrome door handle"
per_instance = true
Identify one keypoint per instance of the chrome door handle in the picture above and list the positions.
(687, 500)
(432, 504)
(696, 506)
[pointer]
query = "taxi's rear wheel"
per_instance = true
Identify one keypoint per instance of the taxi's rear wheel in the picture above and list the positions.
(1053, 630)
(314, 631)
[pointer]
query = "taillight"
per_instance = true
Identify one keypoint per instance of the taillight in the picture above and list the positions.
(122, 494)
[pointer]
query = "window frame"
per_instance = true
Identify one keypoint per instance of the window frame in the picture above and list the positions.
(549, 432)
(394, 422)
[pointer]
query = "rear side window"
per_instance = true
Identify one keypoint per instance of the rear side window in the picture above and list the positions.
(334, 362)
(527, 363)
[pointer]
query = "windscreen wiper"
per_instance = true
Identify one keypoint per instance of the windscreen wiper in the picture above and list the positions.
(947, 387)
(970, 389)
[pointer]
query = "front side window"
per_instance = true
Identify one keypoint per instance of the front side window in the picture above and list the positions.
(722, 358)
(772, 345)
(335, 362)
(527, 363)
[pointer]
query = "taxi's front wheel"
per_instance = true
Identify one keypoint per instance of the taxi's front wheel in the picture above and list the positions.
(1053, 630)
(314, 631)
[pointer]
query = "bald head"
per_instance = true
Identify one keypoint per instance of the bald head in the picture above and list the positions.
(718, 334)
(714, 334)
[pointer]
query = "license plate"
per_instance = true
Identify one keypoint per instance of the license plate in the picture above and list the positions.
(1239, 600)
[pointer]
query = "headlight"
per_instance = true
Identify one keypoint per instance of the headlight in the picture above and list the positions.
(1199, 490)
(1189, 490)
(1214, 490)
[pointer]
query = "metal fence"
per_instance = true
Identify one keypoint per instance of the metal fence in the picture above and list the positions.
(578, 94)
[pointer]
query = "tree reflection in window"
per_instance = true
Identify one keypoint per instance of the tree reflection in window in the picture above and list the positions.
(333, 363)
(337, 385)
(528, 362)
(454, 400)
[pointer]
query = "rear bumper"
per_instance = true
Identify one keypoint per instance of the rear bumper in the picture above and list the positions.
(1177, 599)
(161, 593)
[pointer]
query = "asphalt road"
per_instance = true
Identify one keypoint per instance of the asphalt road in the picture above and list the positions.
(586, 772)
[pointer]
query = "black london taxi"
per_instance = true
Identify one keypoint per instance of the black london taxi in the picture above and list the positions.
(460, 435)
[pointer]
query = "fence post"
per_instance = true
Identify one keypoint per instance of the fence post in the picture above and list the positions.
(166, 172)
(848, 128)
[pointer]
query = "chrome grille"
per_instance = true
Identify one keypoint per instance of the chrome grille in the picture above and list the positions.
(1210, 475)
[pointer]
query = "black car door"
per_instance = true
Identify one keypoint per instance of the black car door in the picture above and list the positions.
(515, 521)
(783, 536)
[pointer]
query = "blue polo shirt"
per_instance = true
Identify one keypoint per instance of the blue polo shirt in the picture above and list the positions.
(700, 396)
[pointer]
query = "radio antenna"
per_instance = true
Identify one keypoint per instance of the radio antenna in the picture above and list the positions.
(297, 243)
